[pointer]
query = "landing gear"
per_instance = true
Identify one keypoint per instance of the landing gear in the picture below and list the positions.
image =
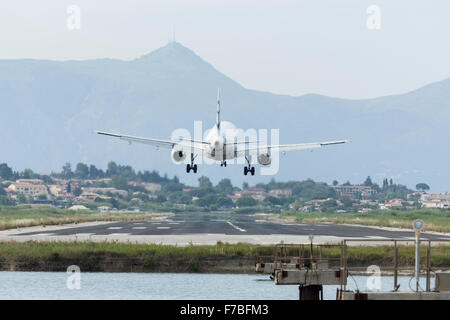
(249, 167)
(192, 165)
(223, 164)
(189, 167)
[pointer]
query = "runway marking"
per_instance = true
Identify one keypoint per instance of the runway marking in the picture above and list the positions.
(115, 228)
(236, 227)
(163, 228)
(83, 234)
(137, 223)
(140, 228)
(42, 234)
(118, 234)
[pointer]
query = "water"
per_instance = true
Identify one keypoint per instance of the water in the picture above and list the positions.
(171, 286)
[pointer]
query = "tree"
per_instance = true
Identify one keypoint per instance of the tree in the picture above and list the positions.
(422, 187)
(368, 182)
(224, 202)
(245, 185)
(296, 205)
(6, 201)
(82, 171)
(67, 171)
(335, 182)
(94, 172)
(21, 198)
(27, 174)
(246, 201)
(225, 186)
(6, 172)
(119, 182)
(112, 169)
(204, 182)
(77, 191)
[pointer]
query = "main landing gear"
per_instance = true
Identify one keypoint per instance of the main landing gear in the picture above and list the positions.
(249, 168)
(223, 164)
(192, 165)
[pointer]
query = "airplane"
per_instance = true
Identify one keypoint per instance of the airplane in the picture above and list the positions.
(219, 145)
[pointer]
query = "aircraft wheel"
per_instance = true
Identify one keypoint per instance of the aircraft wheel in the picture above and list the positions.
(195, 168)
(253, 171)
(188, 168)
(245, 171)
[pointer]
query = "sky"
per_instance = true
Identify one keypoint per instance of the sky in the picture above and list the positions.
(348, 48)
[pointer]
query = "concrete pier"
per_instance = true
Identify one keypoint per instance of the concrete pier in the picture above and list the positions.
(308, 277)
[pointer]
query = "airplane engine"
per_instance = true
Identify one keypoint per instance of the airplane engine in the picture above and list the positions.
(264, 159)
(178, 155)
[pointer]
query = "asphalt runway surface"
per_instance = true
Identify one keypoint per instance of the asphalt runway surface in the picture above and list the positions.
(225, 224)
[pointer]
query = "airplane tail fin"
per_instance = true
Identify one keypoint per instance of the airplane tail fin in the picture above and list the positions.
(218, 110)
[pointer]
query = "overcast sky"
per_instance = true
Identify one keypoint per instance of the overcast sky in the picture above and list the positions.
(282, 46)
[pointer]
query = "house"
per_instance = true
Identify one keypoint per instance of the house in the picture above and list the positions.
(28, 189)
(78, 207)
(393, 204)
(280, 192)
(353, 191)
(114, 191)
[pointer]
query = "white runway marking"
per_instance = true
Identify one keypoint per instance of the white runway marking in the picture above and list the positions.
(236, 227)
(163, 228)
(83, 234)
(43, 234)
(115, 228)
(140, 228)
(118, 234)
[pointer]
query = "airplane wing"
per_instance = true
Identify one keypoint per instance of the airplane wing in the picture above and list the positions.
(285, 147)
(186, 144)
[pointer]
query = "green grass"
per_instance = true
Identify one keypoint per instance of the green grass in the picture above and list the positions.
(357, 255)
(434, 220)
(85, 249)
(27, 216)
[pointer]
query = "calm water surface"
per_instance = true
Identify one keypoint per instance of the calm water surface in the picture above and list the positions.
(172, 286)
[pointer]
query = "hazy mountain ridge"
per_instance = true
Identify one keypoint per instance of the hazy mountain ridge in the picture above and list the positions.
(52, 109)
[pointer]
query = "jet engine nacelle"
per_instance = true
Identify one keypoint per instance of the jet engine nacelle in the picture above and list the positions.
(178, 155)
(264, 159)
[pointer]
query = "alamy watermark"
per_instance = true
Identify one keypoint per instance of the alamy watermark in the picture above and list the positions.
(373, 21)
(240, 147)
(73, 21)
(73, 281)
(373, 282)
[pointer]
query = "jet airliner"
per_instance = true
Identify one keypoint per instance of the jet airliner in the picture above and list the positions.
(219, 144)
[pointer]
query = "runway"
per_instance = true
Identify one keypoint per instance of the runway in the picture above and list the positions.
(201, 228)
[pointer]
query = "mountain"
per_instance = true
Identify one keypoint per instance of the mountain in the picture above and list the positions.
(50, 110)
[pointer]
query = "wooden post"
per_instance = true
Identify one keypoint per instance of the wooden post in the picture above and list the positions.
(428, 265)
(395, 265)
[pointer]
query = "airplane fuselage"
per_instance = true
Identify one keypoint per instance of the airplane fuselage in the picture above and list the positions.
(220, 146)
